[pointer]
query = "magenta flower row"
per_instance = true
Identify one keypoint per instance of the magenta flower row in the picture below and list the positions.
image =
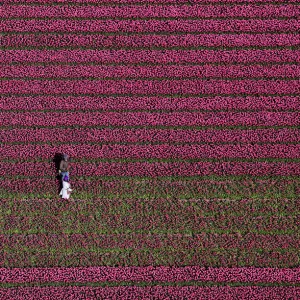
(148, 274)
(200, 11)
(261, 118)
(156, 292)
(232, 71)
(153, 151)
(184, 40)
(148, 135)
(140, 26)
(152, 56)
(152, 103)
(154, 169)
(228, 87)
(194, 2)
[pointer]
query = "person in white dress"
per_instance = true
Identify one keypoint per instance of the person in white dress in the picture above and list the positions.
(66, 190)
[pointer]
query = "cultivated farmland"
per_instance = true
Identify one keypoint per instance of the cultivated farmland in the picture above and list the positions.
(182, 122)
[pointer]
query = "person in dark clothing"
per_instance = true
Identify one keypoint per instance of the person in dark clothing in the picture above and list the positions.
(64, 166)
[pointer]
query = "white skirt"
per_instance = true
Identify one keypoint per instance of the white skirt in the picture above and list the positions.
(64, 191)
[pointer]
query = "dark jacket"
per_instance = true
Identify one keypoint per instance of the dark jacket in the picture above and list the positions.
(64, 166)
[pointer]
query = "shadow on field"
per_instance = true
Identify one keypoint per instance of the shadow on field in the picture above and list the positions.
(57, 159)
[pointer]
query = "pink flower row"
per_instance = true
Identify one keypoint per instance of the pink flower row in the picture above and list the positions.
(148, 274)
(95, 71)
(153, 151)
(151, 103)
(148, 135)
(160, 56)
(245, 86)
(193, 2)
(156, 292)
(178, 242)
(140, 26)
(155, 169)
(186, 40)
(261, 118)
(199, 10)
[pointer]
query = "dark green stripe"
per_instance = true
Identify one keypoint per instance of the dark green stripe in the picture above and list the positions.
(146, 284)
(129, 250)
(204, 214)
(138, 231)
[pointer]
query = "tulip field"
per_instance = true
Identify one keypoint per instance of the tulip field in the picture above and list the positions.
(182, 122)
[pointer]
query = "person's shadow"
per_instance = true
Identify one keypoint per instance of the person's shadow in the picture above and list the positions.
(57, 159)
